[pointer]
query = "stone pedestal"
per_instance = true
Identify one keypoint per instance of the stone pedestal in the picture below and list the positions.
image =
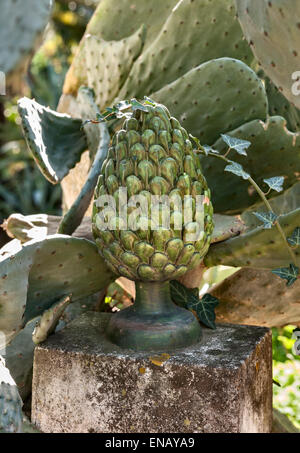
(83, 383)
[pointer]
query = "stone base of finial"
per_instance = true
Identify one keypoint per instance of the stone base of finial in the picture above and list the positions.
(84, 383)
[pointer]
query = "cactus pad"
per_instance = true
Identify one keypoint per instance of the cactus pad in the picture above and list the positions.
(195, 32)
(272, 30)
(55, 140)
(104, 66)
(257, 247)
(274, 151)
(10, 403)
(37, 275)
(200, 98)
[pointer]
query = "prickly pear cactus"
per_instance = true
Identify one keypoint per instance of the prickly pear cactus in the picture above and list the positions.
(46, 270)
(272, 30)
(10, 403)
(153, 156)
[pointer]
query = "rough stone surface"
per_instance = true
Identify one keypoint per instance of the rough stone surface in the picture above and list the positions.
(83, 383)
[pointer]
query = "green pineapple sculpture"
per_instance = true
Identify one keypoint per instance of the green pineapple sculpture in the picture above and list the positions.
(152, 222)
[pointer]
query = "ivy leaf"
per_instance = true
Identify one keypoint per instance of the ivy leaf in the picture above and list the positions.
(208, 149)
(122, 105)
(99, 117)
(275, 183)
(196, 141)
(189, 298)
(182, 295)
(122, 114)
(237, 169)
(294, 240)
(288, 273)
(136, 105)
(237, 144)
(268, 218)
(149, 101)
(205, 309)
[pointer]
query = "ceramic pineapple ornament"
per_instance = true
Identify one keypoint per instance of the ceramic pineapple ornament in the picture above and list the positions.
(151, 159)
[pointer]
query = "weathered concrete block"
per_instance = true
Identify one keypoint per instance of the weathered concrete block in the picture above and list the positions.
(83, 383)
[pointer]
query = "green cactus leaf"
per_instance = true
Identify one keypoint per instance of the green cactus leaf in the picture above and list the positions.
(226, 227)
(257, 247)
(294, 240)
(75, 214)
(274, 150)
(279, 105)
(21, 26)
(268, 219)
(49, 320)
(216, 86)
(36, 275)
(240, 146)
(10, 403)
(189, 298)
(87, 109)
(272, 29)
(185, 41)
(19, 358)
(290, 274)
(55, 140)
(104, 65)
(237, 170)
(275, 183)
(114, 20)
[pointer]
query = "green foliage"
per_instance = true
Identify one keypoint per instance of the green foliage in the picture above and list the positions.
(38, 274)
(237, 170)
(192, 42)
(274, 151)
(290, 273)
(286, 398)
(268, 219)
(294, 240)
(283, 344)
(49, 320)
(189, 298)
(272, 30)
(10, 403)
(240, 146)
(19, 358)
(56, 140)
(286, 371)
(210, 88)
(280, 106)
(105, 66)
(23, 188)
(75, 214)
(275, 183)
